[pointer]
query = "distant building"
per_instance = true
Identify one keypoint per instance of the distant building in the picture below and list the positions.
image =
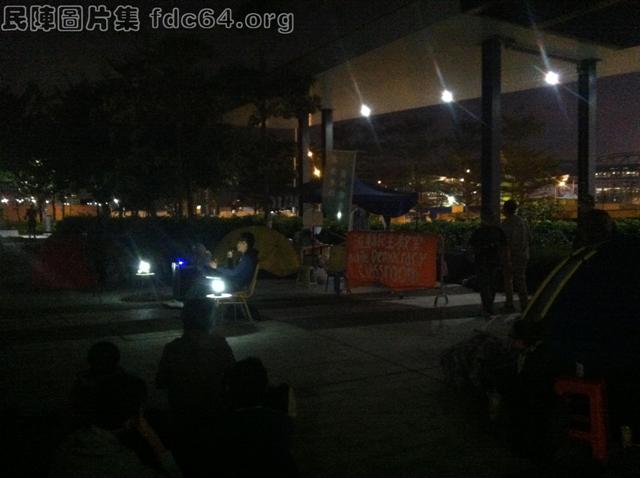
(618, 178)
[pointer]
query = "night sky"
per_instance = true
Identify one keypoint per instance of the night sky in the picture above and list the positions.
(53, 59)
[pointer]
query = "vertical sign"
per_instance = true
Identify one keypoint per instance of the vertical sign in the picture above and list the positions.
(337, 187)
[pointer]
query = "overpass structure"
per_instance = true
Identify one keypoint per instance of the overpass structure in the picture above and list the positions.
(406, 59)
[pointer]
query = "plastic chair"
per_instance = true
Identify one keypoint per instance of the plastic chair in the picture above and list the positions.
(336, 267)
(594, 390)
(241, 297)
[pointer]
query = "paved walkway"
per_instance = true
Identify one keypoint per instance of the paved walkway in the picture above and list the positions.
(365, 368)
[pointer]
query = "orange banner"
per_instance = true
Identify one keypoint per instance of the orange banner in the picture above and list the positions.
(398, 260)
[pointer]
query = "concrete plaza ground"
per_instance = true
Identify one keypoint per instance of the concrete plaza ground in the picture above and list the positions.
(365, 368)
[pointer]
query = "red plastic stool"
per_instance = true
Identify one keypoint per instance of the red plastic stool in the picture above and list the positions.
(594, 391)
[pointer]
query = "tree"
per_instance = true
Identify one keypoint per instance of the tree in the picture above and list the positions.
(263, 167)
(26, 141)
(266, 166)
(90, 143)
(463, 165)
(526, 168)
(173, 108)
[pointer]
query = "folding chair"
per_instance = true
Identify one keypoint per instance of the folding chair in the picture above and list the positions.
(241, 297)
(336, 267)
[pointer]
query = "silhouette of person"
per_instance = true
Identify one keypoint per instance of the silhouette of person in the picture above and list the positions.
(192, 369)
(488, 243)
(518, 238)
(257, 437)
(116, 439)
(31, 222)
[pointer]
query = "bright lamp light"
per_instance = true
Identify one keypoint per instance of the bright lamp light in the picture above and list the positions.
(447, 96)
(552, 78)
(218, 286)
(144, 267)
(365, 111)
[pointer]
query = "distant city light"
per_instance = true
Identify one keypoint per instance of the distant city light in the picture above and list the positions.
(316, 172)
(552, 78)
(116, 201)
(563, 180)
(339, 215)
(447, 96)
(4, 201)
(379, 181)
(451, 200)
(468, 171)
(365, 111)
(310, 154)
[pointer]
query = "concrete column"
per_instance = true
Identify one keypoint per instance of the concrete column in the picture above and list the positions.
(586, 130)
(491, 129)
(326, 134)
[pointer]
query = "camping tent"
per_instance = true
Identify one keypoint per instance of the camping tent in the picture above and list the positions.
(371, 198)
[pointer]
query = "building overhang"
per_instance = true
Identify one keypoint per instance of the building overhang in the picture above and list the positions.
(412, 70)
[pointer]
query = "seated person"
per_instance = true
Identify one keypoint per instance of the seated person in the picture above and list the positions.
(103, 359)
(239, 277)
(258, 437)
(116, 440)
(201, 256)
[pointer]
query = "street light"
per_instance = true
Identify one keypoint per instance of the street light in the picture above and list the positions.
(447, 96)
(365, 111)
(552, 78)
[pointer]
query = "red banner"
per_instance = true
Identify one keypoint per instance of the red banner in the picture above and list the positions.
(398, 260)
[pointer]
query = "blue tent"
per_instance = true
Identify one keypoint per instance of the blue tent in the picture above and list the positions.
(371, 198)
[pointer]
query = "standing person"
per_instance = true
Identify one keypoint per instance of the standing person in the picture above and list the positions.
(518, 238)
(488, 244)
(192, 369)
(31, 222)
(360, 221)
